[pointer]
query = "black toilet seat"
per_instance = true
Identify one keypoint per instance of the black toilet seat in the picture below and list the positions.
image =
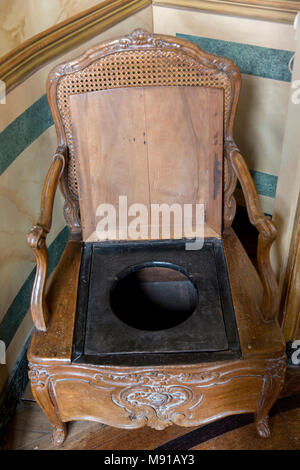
(209, 332)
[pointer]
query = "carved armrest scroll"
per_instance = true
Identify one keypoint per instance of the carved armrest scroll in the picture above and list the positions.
(267, 234)
(36, 239)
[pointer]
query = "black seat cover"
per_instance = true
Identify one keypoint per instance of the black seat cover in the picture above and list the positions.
(143, 336)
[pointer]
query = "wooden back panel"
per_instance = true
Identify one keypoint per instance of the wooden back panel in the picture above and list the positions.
(154, 145)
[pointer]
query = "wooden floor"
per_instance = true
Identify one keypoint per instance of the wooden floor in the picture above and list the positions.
(31, 430)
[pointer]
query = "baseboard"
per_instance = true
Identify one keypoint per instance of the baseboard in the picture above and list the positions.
(14, 390)
(292, 378)
(292, 382)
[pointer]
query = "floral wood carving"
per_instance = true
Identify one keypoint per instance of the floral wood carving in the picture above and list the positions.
(156, 378)
(154, 397)
(157, 406)
(140, 37)
(160, 397)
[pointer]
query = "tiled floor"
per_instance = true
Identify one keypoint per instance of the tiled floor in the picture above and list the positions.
(31, 430)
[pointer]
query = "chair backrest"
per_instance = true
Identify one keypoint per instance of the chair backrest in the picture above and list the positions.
(141, 66)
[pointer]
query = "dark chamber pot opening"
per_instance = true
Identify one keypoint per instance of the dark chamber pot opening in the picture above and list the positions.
(153, 296)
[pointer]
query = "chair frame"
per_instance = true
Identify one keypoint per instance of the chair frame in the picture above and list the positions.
(161, 395)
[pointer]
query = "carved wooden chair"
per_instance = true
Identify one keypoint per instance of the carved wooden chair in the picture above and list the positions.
(151, 114)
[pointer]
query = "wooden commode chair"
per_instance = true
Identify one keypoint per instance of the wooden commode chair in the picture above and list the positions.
(138, 327)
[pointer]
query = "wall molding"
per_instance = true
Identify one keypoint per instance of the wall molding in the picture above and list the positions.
(283, 11)
(26, 59)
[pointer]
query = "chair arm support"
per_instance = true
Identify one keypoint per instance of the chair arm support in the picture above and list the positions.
(36, 239)
(267, 234)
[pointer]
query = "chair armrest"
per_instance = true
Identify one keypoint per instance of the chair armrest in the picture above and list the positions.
(267, 234)
(36, 239)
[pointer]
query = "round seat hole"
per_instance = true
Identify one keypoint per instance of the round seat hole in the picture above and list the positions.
(153, 296)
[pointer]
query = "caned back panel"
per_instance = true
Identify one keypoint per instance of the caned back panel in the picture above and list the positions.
(160, 145)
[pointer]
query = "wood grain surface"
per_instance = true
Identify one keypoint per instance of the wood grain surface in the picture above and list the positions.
(160, 145)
